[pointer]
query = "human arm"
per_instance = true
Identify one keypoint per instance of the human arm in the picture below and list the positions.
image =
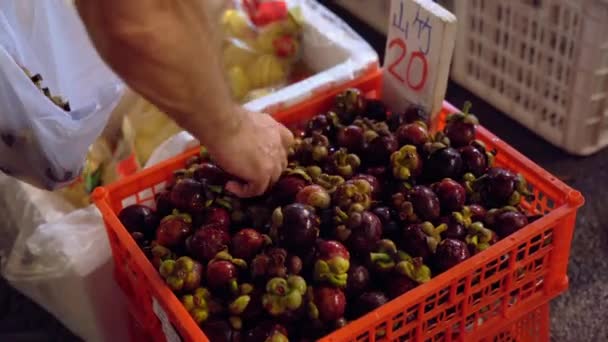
(167, 52)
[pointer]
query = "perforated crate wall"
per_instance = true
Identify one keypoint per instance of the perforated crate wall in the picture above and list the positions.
(469, 301)
(542, 62)
(532, 327)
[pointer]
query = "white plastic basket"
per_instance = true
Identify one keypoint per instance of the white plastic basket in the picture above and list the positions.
(543, 62)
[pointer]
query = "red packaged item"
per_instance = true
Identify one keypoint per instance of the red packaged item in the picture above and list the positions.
(263, 13)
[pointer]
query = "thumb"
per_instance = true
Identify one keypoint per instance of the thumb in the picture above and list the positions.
(241, 190)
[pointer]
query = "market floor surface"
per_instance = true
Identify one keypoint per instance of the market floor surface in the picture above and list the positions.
(578, 315)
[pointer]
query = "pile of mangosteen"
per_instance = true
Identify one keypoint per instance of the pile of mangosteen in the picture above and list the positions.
(372, 205)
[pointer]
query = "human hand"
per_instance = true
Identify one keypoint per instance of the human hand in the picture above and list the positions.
(255, 153)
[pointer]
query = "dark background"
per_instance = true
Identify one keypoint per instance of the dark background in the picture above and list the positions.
(577, 315)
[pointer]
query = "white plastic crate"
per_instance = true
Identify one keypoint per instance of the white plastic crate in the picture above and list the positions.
(543, 62)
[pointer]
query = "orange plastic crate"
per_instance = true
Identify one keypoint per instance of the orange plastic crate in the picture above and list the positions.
(471, 300)
(533, 326)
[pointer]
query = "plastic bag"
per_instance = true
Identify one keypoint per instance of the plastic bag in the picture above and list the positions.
(136, 128)
(43, 143)
(261, 46)
(48, 250)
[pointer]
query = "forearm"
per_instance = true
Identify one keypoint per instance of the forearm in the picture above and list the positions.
(212, 113)
(186, 82)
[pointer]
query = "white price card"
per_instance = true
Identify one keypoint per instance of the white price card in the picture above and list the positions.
(168, 330)
(419, 49)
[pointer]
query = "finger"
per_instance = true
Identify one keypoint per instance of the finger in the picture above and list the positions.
(286, 136)
(237, 188)
(284, 163)
(249, 189)
(276, 175)
(258, 187)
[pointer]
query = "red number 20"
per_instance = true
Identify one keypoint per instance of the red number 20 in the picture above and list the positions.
(399, 44)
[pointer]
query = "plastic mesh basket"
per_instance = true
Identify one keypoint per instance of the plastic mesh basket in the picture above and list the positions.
(543, 62)
(532, 327)
(473, 299)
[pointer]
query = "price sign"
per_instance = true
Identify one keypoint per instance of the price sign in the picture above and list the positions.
(419, 49)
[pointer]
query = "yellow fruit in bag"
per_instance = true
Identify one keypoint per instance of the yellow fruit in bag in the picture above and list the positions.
(266, 71)
(236, 24)
(98, 158)
(239, 82)
(238, 53)
(268, 35)
(151, 128)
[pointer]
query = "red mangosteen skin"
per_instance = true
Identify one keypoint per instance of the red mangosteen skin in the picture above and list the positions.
(416, 134)
(478, 212)
(287, 187)
(328, 304)
(399, 284)
(421, 239)
(220, 273)
(501, 187)
(460, 127)
(425, 203)
(217, 217)
(164, 206)
(247, 243)
(223, 272)
(506, 221)
(443, 163)
(452, 196)
(450, 252)
(207, 242)
(174, 230)
(474, 160)
(139, 218)
(379, 150)
(210, 174)
(332, 263)
(368, 302)
(411, 114)
(358, 281)
(455, 229)
(189, 195)
(315, 196)
(295, 227)
(365, 230)
(351, 138)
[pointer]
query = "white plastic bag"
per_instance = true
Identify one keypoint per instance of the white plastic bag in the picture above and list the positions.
(42, 143)
(61, 259)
